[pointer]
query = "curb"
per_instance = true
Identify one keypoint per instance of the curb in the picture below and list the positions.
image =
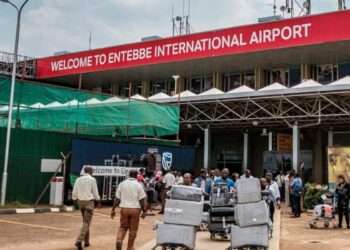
(36, 210)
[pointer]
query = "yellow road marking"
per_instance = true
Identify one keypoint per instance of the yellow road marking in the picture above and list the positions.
(32, 225)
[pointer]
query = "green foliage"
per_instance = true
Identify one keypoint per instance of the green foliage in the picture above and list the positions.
(313, 195)
(15, 204)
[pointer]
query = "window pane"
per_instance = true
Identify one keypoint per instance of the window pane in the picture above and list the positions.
(249, 79)
(325, 73)
(208, 83)
(294, 76)
(196, 85)
(344, 69)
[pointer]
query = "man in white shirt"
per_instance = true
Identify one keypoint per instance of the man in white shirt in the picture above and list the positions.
(247, 175)
(168, 182)
(273, 187)
(131, 198)
(179, 179)
(280, 182)
(86, 193)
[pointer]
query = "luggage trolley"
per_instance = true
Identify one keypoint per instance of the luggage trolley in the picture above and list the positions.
(325, 212)
(221, 214)
(172, 246)
(246, 236)
(183, 200)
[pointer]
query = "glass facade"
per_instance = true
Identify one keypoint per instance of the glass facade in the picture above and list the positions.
(166, 87)
(199, 84)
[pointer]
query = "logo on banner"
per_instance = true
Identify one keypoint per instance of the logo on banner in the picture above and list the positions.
(167, 160)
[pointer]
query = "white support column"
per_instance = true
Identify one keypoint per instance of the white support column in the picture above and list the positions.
(330, 138)
(270, 141)
(245, 152)
(296, 147)
(206, 148)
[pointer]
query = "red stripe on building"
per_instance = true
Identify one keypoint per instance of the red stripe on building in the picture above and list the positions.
(308, 30)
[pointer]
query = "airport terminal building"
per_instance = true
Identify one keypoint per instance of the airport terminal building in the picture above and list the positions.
(271, 95)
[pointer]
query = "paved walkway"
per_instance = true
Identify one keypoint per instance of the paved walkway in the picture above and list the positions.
(204, 243)
(296, 234)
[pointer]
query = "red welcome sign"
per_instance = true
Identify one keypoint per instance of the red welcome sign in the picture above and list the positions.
(315, 29)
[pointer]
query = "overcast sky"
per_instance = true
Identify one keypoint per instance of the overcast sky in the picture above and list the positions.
(56, 25)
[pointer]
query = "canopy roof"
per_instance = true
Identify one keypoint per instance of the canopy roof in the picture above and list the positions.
(44, 107)
(274, 86)
(242, 89)
(185, 93)
(308, 84)
(158, 96)
(213, 91)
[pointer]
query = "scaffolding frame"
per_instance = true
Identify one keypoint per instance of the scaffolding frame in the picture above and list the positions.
(26, 66)
(280, 110)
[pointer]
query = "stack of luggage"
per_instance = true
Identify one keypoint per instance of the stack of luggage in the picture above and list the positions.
(251, 216)
(221, 211)
(182, 214)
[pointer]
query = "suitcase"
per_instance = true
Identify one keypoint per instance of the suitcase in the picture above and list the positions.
(220, 218)
(251, 214)
(222, 211)
(222, 199)
(205, 217)
(183, 212)
(176, 234)
(249, 236)
(180, 192)
(248, 190)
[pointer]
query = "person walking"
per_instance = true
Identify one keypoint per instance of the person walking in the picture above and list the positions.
(203, 182)
(235, 177)
(131, 198)
(141, 176)
(224, 178)
(297, 191)
(286, 189)
(85, 192)
(267, 196)
(152, 196)
(280, 182)
(168, 182)
(179, 179)
(158, 186)
(343, 194)
(217, 174)
(273, 187)
(188, 180)
(247, 175)
(291, 178)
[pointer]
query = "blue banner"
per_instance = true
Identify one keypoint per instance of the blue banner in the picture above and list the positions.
(108, 153)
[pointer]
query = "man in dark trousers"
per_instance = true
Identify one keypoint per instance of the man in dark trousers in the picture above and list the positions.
(85, 192)
(131, 198)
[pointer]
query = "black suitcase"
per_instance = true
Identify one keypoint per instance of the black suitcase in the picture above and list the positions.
(220, 219)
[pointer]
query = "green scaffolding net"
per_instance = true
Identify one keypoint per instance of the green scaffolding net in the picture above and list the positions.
(44, 107)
